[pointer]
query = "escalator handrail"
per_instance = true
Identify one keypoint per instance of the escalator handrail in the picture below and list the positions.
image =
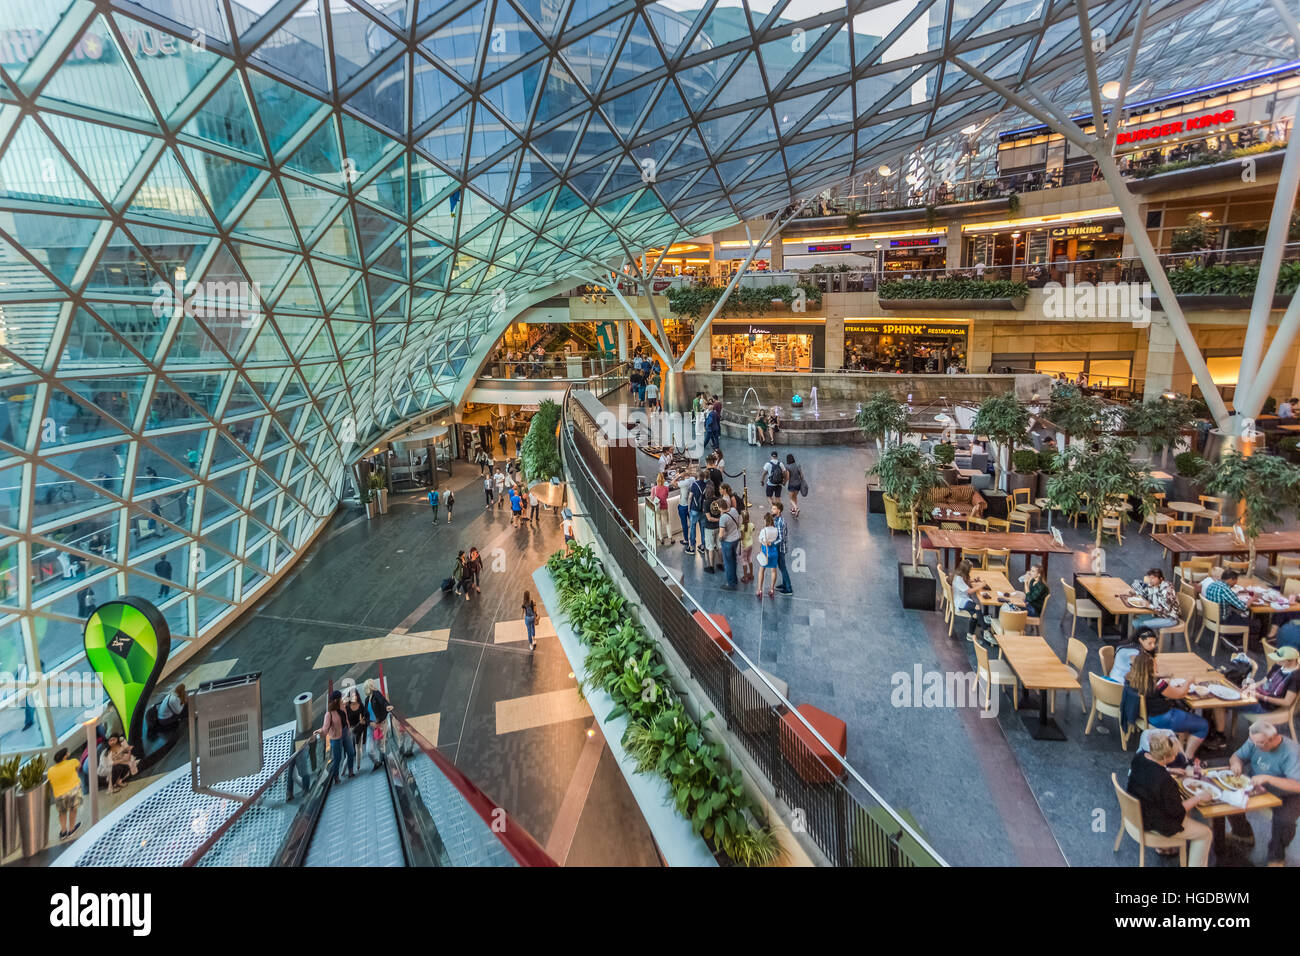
(518, 842)
(422, 844)
(302, 829)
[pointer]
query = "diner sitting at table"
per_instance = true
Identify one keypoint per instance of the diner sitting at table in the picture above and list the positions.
(1160, 595)
(1277, 691)
(1233, 611)
(1178, 766)
(1144, 641)
(1165, 705)
(1273, 762)
(964, 599)
(1036, 590)
(1164, 810)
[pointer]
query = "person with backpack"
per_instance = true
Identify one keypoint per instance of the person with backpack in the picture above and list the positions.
(712, 519)
(695, 502)
(796, 482)
(730, 533)
(433, 503)
(774, 476)
(377, 710)
(450, 501)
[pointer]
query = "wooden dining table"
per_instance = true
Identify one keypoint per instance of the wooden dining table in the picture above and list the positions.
(1028, 544)
(1270, 544)
(992, 583)
(1191, 667)
(1216, 811)
(1040, 670)
(1112, 594)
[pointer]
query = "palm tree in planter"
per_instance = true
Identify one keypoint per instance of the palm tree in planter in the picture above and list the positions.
(1160, 423)
(881, 418)
(910, 479)
(1006, 422)
(1265, 486)
(1093, 481)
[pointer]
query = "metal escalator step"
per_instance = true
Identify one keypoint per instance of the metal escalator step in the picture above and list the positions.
(357, 826)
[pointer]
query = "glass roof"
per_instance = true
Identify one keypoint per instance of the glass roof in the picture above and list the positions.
(239, 238)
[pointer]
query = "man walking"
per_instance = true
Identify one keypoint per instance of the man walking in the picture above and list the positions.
(499, 480)
(782, 546)
(450, 501)
(433, 503)
(164, 570)
(773, 478)
(487, 492)
(534, 505)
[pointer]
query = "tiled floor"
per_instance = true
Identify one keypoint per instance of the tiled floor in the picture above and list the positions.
(371, 592)
(984, 791)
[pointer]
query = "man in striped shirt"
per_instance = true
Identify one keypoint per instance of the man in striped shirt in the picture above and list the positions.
(782, 542)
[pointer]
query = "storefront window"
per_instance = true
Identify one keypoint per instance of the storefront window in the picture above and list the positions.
(914, 347)
(763, 351)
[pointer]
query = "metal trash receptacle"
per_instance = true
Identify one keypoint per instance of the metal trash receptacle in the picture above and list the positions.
(302, 713)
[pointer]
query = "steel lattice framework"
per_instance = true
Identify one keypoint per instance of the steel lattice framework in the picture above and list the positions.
(238, 240)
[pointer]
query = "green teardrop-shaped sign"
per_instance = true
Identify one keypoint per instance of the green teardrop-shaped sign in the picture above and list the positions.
(127, 642)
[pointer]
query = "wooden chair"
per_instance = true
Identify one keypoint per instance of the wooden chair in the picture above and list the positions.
(977, 524)
(1131, 813)
(1036, 623)
(1076, 656)
(999, 524)
(1106, 699)
(1211, 619)
(1291, 586)
(1107, 654)
(1020, 519)
(1283, 716)
(976, 556)
(1187, 611)
(999, 558)
(926, 547)
(1285, 569)
(951, 611)
(1008, 621)
(1022, 501)
(1080, 608)
(995, 674)
(1195, 570)
(1213, 513)
(1112, 522)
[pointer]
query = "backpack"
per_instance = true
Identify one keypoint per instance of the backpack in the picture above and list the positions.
(697, 495)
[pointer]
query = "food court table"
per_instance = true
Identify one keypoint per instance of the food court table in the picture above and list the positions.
(1112, 595)
(1216, 811)
(992, 582)
(1186, 509)
(1194, 669)
(1039, 669)
(1015, 541)
(1268, 544)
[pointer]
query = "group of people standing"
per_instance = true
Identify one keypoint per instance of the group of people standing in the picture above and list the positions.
(644, 381)
(351, 725)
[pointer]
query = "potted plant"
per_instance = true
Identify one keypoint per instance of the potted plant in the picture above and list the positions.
(1085, 417)
(882, 418)
(9, 805)
(1046, 467)
(33, 806)
(379, 489)
(1006, 422)
(944, 453)
(1188, 468)
(1160, 423)
(1024, 471)
(1089, 481)
(368, 499)
(910, 479)
(1265, 486)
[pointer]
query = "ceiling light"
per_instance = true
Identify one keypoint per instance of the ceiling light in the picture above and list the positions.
(1110, 90)
(972, 128)
(1204, 214)
(884, 170)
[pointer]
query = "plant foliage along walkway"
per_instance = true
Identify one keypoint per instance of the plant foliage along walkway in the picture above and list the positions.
(695, 302)
(661, 737)
(953, 288)
(539, 453)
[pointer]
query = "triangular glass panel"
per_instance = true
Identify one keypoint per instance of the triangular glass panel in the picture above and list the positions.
(224, 182)
(513, 98)
(588, 57)
(320, 156)
(226, 119)
(382, 98)
(168, 193)
(431, 91)
(446, 143)
(560, 95)
(457, 43)
(114, 90)
(510, 39)
(297, 49)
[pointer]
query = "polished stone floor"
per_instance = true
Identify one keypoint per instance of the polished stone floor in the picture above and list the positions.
(984, 791)
(369, 591)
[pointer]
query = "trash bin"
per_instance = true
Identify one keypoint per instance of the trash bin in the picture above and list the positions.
(302, 713)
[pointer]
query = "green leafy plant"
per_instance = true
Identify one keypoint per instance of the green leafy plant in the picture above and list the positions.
(1199, 233)
(695, 302)
(1188, 464)
(539, 454)
(377, 481)
(952, 288)
(1209, 159)
(1024, 461)
(1289, 444)
(9, 772)
(1092, 481)
(1229, 278)
(661, 737)
(1160, 422)
(1013, 203)
(944, 453)
(1266, 486)
(31, 774)
(1047, 461)
(1006, 422)
(1078, 415)
(881, 418)
(911, 479)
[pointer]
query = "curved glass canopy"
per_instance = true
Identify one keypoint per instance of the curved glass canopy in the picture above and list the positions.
(239, 240)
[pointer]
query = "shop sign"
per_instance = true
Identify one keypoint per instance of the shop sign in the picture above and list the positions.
(920, 241)
(832, 247)
(1084, 229)
(907, 328)
(1173, 127)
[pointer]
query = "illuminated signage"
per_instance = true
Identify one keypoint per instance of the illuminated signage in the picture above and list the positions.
(913, 243)
(832, 247)
(891, 327)
(1173, 127)
(1084, 229)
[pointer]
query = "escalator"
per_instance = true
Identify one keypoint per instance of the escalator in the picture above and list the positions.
(416, 809)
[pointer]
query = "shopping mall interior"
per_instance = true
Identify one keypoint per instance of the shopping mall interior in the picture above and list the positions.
(547, 433)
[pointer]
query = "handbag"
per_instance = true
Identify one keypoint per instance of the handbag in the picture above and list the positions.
(761, 557)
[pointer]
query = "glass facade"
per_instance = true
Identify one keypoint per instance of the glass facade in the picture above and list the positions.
(239, 240)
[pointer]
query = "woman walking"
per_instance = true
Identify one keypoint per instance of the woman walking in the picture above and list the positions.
(767, 551)
(334, 729)
(449, 500)
(377, 710)
(746, 546)
(794, 483)
(530, 620)
(464, 579)
(358, 723)
(660, 494)
(475, 565)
